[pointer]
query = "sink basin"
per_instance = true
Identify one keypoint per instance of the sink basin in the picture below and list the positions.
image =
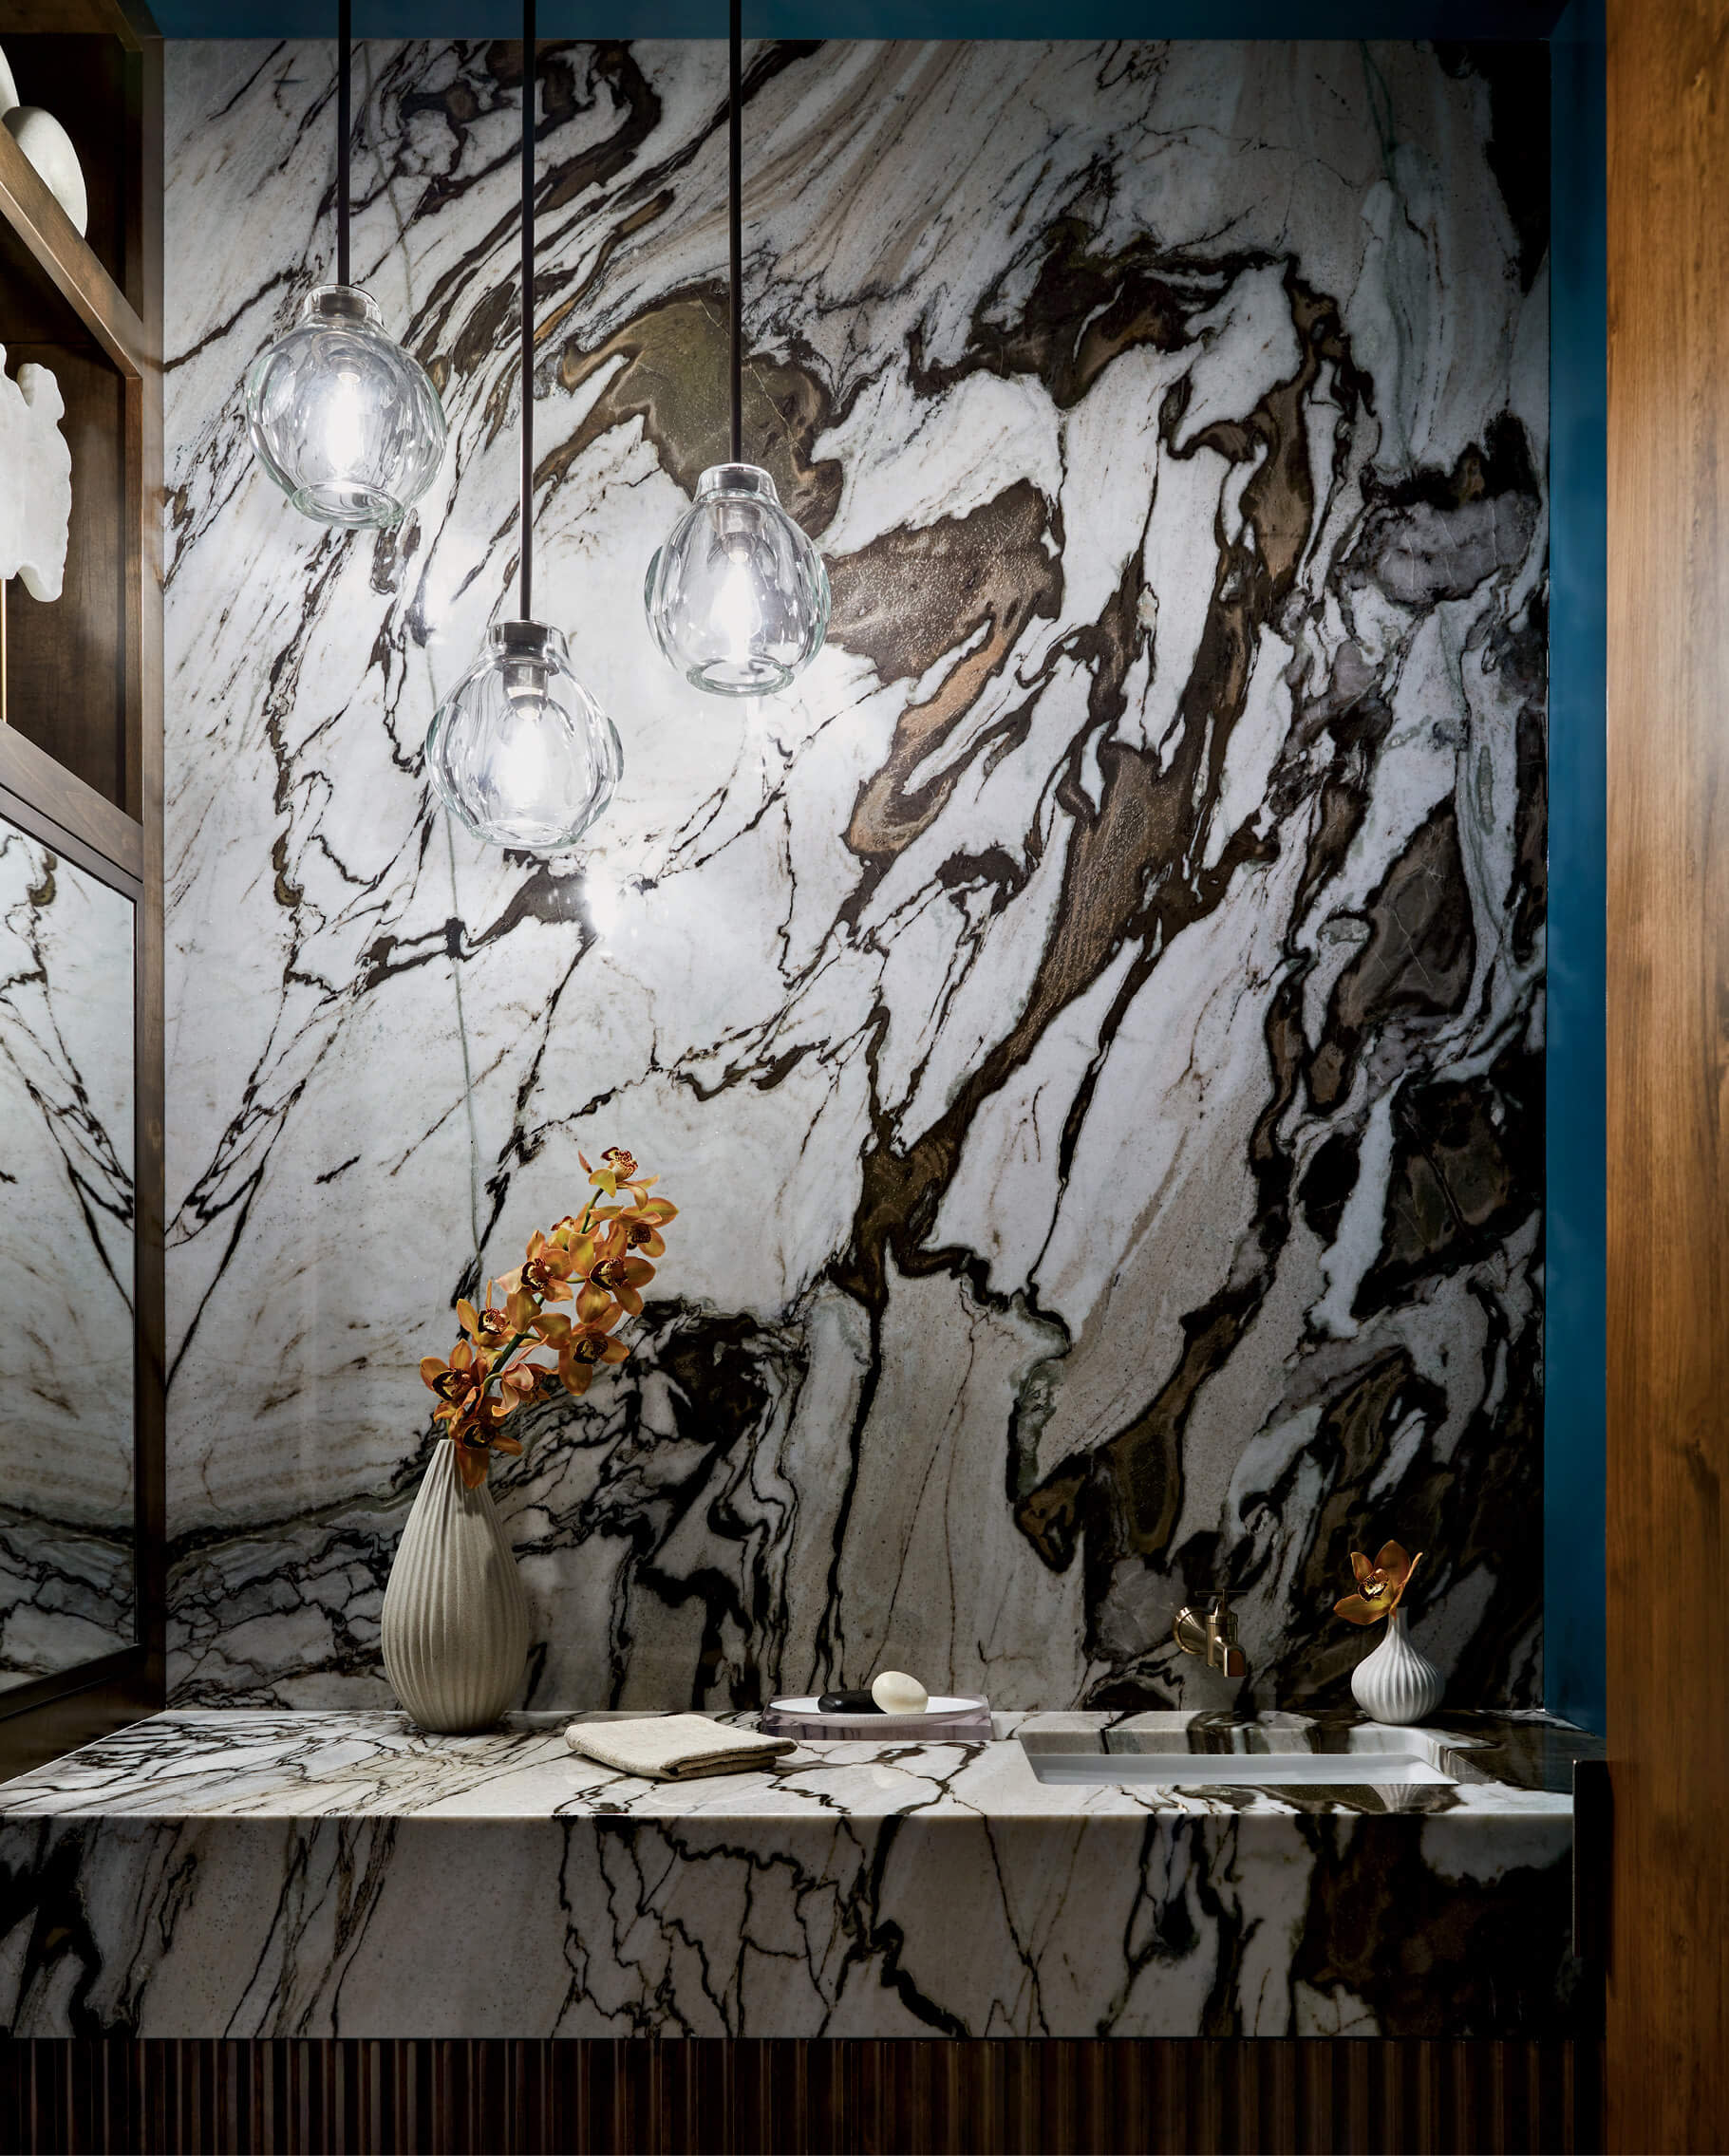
(1227, 1769)
(1166, 1750)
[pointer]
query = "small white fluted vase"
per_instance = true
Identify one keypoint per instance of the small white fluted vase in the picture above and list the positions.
(455, 1621)
(1396, 1683)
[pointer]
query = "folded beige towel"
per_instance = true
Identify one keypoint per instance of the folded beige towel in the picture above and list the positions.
(675, 1748)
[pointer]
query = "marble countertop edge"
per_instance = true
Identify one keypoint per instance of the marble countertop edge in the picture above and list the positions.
(307, 1766)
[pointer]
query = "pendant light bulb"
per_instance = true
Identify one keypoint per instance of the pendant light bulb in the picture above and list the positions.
(738, 598)
(346, 422)
(519, 751)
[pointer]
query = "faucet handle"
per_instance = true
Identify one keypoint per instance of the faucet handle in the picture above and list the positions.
(1213, 1640)
(1223, 1652)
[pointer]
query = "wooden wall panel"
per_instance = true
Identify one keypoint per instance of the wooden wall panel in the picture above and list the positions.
(1668, 1068)
(775, 2096)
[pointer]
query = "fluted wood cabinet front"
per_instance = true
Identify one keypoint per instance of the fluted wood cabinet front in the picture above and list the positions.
(1046, 2098)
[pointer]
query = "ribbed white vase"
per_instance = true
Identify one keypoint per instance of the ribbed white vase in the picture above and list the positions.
(1396, 1683)
(455, 1621)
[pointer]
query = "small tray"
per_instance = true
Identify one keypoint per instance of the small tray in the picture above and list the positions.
(944, 1719)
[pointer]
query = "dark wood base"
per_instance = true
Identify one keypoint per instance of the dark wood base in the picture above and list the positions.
(771, 2095)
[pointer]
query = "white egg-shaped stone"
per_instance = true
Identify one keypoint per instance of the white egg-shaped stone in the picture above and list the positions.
(9, 89)
(48, 145)
(896, 1693)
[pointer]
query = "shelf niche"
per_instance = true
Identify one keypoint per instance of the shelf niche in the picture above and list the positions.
(74, 305)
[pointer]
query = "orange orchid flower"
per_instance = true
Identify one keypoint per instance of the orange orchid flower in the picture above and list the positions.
(581, 1352)
(488, 1326)
(596, 1262)
(1379, 1586)
(522, 1383)
(474, 1442)
(642, 1224)
(547, 1270)
(460, 1383)
(620, 1280)
(617, 1172)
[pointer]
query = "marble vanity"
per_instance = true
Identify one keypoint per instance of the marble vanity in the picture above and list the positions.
(239, 1873)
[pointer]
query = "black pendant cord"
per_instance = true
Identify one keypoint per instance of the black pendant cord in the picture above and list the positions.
(735, 227)
(344, 126)
(529, 59)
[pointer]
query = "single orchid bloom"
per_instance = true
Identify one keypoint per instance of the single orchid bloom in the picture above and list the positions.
(489, 1326)
(546, 1270)
(583, 1350)
(617, 1172)
(621, 1280)
(642, 1224)
(474, 1442)
(1379, 1586)
(522, 1383)
(460, 1383)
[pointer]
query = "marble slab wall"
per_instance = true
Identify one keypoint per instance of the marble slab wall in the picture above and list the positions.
(1093, 1026)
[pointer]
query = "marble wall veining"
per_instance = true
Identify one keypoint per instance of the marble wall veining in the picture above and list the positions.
(1093, 1026)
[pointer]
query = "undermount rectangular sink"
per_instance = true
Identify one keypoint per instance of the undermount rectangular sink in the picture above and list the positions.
(1227, 1769)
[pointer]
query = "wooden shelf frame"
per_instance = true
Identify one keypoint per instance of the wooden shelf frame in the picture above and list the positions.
(58, 249)
(54, 1715)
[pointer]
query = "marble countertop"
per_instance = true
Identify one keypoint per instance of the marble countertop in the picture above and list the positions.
(270, 1763)
(264, 1873)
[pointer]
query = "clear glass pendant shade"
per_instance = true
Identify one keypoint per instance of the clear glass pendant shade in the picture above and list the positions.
(519, 751)
(346, 422)
(738, 598)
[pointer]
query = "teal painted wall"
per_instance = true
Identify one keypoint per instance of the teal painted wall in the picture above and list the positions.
(1573, 1415)
(870, 18)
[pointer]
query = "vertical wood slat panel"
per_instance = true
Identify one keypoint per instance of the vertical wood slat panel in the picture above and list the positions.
(357, 2097)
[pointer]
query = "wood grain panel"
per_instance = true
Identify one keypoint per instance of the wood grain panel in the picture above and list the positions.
(31, 776)
(96, 119)
(1669, 1062)
(779, 2095)
(52, 241)
(144, 690)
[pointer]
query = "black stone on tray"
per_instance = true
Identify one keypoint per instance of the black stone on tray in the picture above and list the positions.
(847, 1703)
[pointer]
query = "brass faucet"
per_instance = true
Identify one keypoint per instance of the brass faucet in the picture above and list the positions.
(1214, 1636)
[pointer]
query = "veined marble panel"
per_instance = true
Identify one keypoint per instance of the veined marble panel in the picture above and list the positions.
(1092, 1027)
(67, 1217)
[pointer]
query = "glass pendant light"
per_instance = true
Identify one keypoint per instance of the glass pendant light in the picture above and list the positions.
(738, 598)
(519, 751)
(345, 420)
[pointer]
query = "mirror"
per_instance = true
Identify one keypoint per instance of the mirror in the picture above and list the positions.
(67, 1290)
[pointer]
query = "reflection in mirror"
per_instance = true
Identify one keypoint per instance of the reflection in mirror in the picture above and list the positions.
(67, 1397)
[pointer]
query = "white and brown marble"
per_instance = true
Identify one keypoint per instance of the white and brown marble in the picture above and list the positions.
(1093, 1026)
(258, 1874)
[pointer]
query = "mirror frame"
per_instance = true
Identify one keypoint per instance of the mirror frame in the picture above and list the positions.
(50, 1714)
